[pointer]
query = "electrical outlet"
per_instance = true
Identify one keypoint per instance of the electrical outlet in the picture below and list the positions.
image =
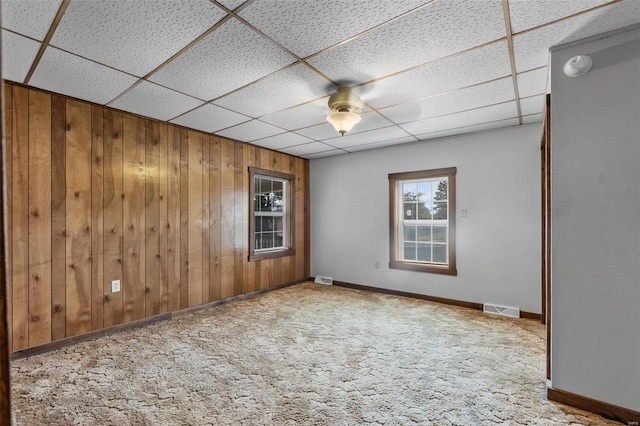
(463, 212)
(376, 264)
(115, 286)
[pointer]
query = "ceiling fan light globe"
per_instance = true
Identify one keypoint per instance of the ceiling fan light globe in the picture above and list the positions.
(343, 121)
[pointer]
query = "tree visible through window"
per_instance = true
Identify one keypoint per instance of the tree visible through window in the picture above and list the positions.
(422, 220)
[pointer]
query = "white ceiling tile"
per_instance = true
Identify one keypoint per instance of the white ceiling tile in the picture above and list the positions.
(199, 72)
(531, 49)
(463, 119)
(370, 121)
(155, 101)
(472, 97)
(70, 75)
(31, 18)
(210, 118)
(282, 141)
(430, 33)
(291, 86)
(532, 105)
(527, 14)
(372, 136)
(308, 148)
(471, 129)
(532, 82)
(300, 116)
(231, 4)
(250, 131)
(533, 118)
(312, 26)
(406, 139)
(18, 54)
(464, 69)
(134, 36)
(330, 153)
(319, 132)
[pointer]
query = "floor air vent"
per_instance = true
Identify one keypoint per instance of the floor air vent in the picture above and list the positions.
(324, 280)
(501, 310)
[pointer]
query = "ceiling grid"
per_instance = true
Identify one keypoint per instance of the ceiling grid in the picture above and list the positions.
(261, 71)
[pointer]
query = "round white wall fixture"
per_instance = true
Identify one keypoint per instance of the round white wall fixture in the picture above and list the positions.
(577, 66)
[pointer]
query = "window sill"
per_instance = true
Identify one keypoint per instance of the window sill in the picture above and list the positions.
(271, 254)
(421, 267)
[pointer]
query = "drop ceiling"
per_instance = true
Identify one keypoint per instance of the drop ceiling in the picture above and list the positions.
(261, 71)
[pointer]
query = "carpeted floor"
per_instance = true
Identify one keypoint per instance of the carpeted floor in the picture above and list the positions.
(304, 355)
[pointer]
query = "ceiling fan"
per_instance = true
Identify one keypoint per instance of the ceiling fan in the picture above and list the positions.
(344, 105)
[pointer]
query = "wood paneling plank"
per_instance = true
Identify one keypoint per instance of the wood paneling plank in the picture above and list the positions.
(215, 254)
(163, 229)
(78, 227)
(195, 224)
(206, 219)
(8, 164)
(238, 221)
(113, 203)
(97, 218)
(249, 275)
(227, 238)
(307, 222)
(184, 218)
(39, 218)
(133, 284)
(299, 221)
(173, 219)
(20, 246)
(58, 218)
(152, 218)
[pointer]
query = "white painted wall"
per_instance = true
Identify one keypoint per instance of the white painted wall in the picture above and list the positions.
(595, 139)
(498, 243)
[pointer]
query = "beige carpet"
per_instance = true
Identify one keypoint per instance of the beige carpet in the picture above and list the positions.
(304, 355)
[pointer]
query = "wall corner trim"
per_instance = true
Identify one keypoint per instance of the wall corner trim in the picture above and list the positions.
(604, 409)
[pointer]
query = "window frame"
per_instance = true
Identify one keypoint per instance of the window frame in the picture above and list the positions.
(395, 197)
(289, 228)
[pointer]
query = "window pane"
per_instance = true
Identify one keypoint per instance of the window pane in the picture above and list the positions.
(440, 190)
(267, 240)
(440, 234)
(440, 253)
(424, 191)
(258, 224)
(278, 223)
(424, 233)
(424, 211)
(278, 204)
(409, 191)
(278, 187)
(265, 186)
(440, 210)
(410, 211)
(424, 252)
(409, 232)
(279, 241)
(409, 251)
(267, 223)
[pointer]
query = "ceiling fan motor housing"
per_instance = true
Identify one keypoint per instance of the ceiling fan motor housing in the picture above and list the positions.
(344, 100)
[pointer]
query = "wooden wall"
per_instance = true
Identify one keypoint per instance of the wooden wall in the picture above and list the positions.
(97, 195)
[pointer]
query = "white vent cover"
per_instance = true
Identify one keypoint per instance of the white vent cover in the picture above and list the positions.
(501, 310)
(324, 280)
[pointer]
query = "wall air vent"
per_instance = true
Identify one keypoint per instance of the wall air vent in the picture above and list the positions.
(324, 280)
(501, 310)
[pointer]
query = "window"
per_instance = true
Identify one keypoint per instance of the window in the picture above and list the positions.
(271, 207)
(422, 209)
